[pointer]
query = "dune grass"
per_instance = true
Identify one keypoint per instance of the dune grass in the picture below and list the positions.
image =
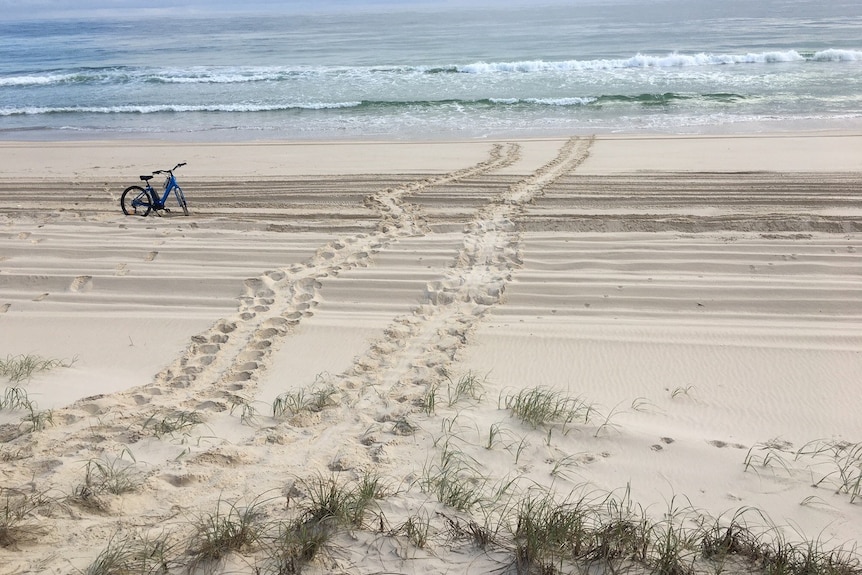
(466, 387)
(328, 504)
(230, 528)
(344, 503)
(540, 406)
(835, 464)
(614, 535)
(18, 516)
(588, 531)
(844, 471)
(311, 399)
(547, 534)
(17, 399)
(417, 529)
(528, 527)
(294, 545)
(177, 422)
(37, 420)
(248, 414)
(134, 554)
(538, 529)
(111, 475)
(453, 478)
(21, 368)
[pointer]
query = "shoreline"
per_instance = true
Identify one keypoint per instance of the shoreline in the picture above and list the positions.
(798, 152)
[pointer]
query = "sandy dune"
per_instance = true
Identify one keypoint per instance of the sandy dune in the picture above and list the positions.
(703, 319)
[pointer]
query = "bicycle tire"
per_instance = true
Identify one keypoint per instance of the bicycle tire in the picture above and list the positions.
(181, 198)
(135, 201)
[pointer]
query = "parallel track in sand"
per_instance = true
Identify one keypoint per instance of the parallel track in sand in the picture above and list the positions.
(756, 201)
(492, 229)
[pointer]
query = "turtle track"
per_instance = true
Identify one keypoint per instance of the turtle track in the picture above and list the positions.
(222, 364)
(418, 350)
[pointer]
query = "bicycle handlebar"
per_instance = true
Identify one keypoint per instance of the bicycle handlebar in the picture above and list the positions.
(180, 165)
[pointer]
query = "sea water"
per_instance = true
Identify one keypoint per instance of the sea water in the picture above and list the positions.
(437, 72)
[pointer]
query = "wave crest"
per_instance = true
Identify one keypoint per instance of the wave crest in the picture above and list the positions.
(673, 60)
(242, 75)
(177, 108)
(647, 99)
(836, 55)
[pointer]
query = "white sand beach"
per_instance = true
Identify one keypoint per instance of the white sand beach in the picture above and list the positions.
(692, 304)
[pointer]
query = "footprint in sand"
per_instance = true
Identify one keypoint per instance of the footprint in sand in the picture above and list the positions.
(275, 323)
(722, 444)
(256, 288)
(267, 334)
(23, 235)
(5, 307)
(81, 283)
(150, 256)
(121, 270)
(240, 376)
(226, 327)
(293, 317)
(41, 297)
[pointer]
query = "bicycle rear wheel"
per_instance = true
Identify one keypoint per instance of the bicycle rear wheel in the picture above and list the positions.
(181, 198)
(135, 201)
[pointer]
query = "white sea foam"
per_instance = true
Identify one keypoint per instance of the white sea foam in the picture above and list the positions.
(252, 74)
(573, 101)
(215, 78)
(176, 108)
(220, 75)
(202, 75)
(673, 60)
(35, 80)
(835, 55)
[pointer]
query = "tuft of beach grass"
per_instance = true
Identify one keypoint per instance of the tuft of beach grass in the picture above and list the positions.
(20, 368)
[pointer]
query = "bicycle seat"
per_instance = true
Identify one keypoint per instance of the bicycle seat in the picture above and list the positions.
(146, 178)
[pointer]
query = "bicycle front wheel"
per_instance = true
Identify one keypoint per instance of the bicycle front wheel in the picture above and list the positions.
(181, 198)
(135, 201)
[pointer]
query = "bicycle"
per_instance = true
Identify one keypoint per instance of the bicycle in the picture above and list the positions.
(138, 201)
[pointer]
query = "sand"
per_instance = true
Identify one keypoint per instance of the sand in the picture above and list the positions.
(698, 299)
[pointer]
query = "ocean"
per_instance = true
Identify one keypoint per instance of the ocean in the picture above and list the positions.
(437, 71)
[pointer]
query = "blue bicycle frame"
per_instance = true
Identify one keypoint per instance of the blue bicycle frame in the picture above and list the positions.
(170, 185)
(139, 201)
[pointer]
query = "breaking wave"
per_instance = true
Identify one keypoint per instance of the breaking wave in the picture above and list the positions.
(240, 75)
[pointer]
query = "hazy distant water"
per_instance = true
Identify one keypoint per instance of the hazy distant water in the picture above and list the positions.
(675, 66)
